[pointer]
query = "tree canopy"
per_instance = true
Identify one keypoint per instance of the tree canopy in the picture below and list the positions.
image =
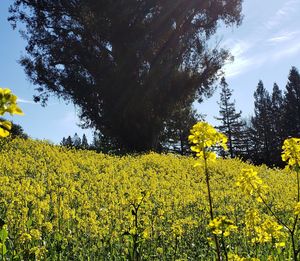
(125, 64)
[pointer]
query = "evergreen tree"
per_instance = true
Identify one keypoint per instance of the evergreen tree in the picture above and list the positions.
(174, 138)
(63, 141)
(76, 141)
(84, 142)
(261, 123)
(231, 123)
(69, 142)
(277, 127)
(292, 104)
(104, 144)
(245, 147)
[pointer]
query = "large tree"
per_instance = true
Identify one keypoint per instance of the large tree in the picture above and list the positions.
(125, 64)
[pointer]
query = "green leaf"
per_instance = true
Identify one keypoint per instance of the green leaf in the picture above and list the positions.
(29, 223)
(4, 250)
(3, 235)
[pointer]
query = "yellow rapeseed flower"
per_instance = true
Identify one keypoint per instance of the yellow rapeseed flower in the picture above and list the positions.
(291, 151)
(251, 183)
(222, 226)
(203, 137)
(297, 209)
(8, 104)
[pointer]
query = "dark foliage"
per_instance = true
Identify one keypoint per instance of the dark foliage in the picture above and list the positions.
(292, 105)
(276, 117)
(106, 145)
(261, 125)
(75, 142)
(277, 126)
(231, 122)
(125, 64)
(84, 143)
(174, 137)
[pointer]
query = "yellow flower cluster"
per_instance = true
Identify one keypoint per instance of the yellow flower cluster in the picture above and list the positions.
(264, 229)
(204, 137)
(222, 226)
(8, 104)
(79, 201)
(252, 184)
(297, 209)
(80, 205)
(291, 152)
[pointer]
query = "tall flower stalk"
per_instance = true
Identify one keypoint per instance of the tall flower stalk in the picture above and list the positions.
(291, 154)
(253, 185)
(204, 138)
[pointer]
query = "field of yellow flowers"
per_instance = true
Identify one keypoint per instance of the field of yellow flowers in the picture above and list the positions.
(64, 204)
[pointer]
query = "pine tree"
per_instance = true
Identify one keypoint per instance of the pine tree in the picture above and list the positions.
(292, 104)
(63, 141)
(69, 142)
(277, 128)
(76, 141)
(231, 123)
(245, 148)
(261, 122)
(84, 142)
(174, 137)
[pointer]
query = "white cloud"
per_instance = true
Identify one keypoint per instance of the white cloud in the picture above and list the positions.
(240, 48)
(25, 101)
(20, 100)
(283, 13)
(258, 55)
(250, 54)
(242, 62)
(286, 51)
(240, 65)
(283, 37)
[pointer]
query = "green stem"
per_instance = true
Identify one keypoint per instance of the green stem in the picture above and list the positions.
(210, 202)
(136, 225)
(224, 247)
(298, 186)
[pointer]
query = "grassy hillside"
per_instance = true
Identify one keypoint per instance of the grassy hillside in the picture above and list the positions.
(64, 204)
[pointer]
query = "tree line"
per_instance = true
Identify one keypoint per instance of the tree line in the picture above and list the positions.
(173, 138)
(257, 139)
(276, 117)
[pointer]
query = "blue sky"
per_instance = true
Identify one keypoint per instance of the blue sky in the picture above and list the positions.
(265, 47)
(53, 122)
